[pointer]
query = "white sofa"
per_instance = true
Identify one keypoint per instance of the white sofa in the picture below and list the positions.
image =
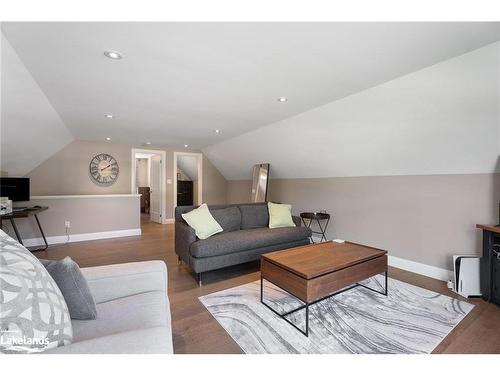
(133, 311)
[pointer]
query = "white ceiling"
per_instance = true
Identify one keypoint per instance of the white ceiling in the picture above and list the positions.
(178, 82)
(31, 130)
(444, 119)
(189, 165)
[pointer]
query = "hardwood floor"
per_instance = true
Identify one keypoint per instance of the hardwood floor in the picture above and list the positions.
(194, 329)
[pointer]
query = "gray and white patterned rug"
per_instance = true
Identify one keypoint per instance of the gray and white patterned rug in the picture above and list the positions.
(409, 320)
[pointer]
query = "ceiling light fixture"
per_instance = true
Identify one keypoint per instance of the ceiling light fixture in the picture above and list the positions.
(282, 99)
(147, 143)
(115, 55)
(108, 139)
(185, 146)
(217, 131)
(108, 116)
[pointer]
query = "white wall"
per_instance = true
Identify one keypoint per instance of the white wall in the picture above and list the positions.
(440, 120)
(31, 130)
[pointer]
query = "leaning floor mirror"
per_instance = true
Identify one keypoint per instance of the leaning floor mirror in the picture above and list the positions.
(260, 182)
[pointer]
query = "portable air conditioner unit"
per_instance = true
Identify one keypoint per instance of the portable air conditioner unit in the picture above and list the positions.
(466, 273)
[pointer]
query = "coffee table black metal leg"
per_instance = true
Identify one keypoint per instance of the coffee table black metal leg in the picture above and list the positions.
(283, 315)
(386, 284)
(307, 320)
(377, 291)
(43, 234)
(308, 304)
(16, 231)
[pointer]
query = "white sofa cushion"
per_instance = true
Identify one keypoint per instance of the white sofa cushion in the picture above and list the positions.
(33, 314)
(144, 310)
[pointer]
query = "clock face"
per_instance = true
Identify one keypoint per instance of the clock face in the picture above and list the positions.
(103, 170)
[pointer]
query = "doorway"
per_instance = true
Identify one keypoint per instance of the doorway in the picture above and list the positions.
(148, 179)
(188, 177)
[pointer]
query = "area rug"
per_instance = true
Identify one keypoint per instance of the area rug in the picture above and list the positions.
(409, 320)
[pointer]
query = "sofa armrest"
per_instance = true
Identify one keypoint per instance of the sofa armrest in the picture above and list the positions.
(297, 220)
(107, 283)
(184, 237)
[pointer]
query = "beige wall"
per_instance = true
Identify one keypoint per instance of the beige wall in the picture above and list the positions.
(214, 184)
(239, 191)
(425, 219)
(86, 215)
(66, 173)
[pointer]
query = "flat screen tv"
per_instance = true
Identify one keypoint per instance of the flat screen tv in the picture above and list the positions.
(16, 188)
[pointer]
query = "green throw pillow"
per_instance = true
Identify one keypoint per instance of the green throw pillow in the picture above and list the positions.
(280, 215)
(202, 221)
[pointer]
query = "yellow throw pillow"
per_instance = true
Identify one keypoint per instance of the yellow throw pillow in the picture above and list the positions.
(202, 221)
(280, 215)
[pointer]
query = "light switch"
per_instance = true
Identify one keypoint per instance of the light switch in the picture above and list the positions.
(169, 181)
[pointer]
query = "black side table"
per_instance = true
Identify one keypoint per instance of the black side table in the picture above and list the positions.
(318, 217)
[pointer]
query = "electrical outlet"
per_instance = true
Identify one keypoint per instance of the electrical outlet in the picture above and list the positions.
(67, 224)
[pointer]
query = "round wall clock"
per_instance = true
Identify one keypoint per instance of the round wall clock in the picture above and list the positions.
(103, 170)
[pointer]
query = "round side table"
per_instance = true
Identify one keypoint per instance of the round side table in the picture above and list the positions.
(317, 217)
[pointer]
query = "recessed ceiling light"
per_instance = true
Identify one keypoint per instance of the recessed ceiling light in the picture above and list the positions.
(108, 115)
(282, 99)
(147, 143)
(217, 131)
(115, 55)
(108, 139)
(185, 146)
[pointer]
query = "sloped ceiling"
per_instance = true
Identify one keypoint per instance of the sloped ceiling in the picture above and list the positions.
(31, 130)
(178, 82)
(439, 120)
(189, 165)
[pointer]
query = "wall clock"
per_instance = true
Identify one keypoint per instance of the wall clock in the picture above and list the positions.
(103, 170)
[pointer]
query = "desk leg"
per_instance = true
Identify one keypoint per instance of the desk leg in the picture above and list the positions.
(43, 234)
(16, 231)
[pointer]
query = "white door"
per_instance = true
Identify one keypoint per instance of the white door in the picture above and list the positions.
(155, 189)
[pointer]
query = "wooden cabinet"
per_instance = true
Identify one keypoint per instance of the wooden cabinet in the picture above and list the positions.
(184, 193)
(144, 191)
(490, 263)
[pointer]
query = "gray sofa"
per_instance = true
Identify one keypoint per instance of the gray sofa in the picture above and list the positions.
(133, 311)
(245, 237)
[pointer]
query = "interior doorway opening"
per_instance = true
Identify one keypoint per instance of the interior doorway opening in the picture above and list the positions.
(188, 178)
(148, 179)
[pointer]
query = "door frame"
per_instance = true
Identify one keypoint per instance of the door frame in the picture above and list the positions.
(199, 156)
(163, 177)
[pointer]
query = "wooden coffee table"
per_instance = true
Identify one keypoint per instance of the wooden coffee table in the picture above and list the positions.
(315, 272)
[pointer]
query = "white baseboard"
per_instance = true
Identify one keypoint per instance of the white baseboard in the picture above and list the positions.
(420, 268)
(52, 240)
(415, 267)
(168, 221)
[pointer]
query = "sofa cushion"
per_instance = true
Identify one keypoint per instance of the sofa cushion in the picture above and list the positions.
(254, 216)
(33, 314)
(202, 221)
(143, 310)
(228, 218)
(280, 215)
(73, 286)
(247, 239)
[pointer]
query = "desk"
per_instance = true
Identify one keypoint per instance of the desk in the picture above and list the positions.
(27, 212)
